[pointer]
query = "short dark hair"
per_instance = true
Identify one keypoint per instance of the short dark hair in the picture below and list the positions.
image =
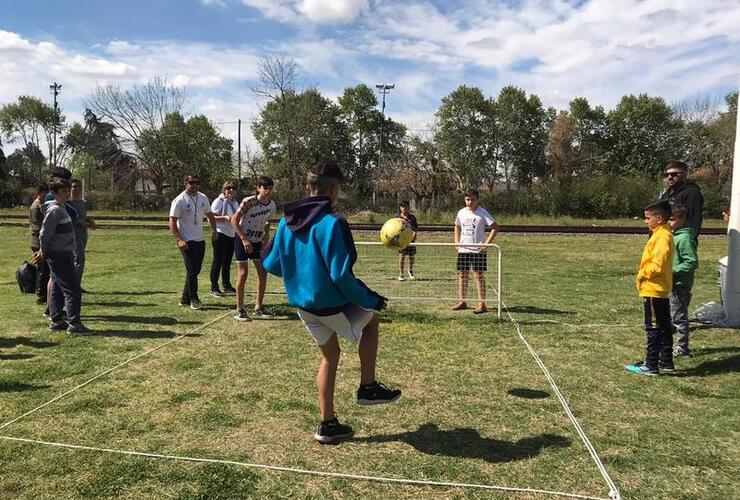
(75, 181)
(404, 203)
(471, 193)
(42, 187)
(660, 207)
(678, 211)
(323, 174)
(676, 164)
(191, 178)
(61, 173)
(58, 184)
(265, 181)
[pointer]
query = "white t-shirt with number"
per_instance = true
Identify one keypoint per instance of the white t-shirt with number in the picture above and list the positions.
(190, 211)
(253, 220)
(473, 226)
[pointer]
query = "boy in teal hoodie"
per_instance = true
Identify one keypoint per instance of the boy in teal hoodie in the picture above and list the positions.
(685, 261)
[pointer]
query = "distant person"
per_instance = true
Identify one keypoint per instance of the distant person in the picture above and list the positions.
(684, 191)
(726, 214)
(81, 225)
(36, 217)
(313, 251)
(57, 241)
(654, 283)
(251, 222)
(685, 262)
(223, 208)
(470, 227)
(409, 251)
(186, 224)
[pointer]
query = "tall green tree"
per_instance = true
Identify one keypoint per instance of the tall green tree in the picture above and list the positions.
(31, 121)
(27, 165)
(642, 132)
(180, 147)
(464, 136)
(591, 137)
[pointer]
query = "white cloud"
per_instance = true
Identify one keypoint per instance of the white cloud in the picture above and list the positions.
(317, 11)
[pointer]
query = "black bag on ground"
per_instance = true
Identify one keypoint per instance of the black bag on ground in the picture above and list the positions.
(26, 276)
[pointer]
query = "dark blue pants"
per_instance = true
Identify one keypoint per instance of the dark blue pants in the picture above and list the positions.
(42, 277)
(193, 258)
(659, 332)
(65, 290)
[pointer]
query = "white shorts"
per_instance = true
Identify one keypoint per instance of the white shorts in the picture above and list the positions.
(348, 324)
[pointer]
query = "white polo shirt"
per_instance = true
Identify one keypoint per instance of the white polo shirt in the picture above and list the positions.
(473, 226)
(223, 206)
(252, 222)
(190, 211)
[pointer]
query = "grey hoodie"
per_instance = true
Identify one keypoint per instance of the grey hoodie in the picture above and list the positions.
(57, 233)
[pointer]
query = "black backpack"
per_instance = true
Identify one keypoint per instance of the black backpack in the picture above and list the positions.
(26, 276)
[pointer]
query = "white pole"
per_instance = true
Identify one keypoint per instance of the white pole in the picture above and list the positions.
(732, 290)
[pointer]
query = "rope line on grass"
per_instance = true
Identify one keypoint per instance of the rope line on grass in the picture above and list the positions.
(613, 491)
(105, 372)
(278, 468)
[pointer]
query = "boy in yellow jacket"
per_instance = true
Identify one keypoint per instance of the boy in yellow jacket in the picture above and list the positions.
(654, 282)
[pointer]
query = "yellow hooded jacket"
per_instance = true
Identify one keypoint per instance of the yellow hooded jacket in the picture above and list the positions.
(655, 276)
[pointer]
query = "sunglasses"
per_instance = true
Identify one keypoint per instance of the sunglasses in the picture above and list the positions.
(229, 188)
(673, 174)
(195, 183)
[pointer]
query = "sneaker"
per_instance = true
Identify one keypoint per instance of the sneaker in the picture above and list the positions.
(376, 394)
(332, 431)
(401, 278)
(411, 275)
(217, 293)
(241, 315)
(58, 325)
(481, 309)
(460, 306)
(41, 301)
(229, 290)
(664, 367)
(260, 312)
(78, 329)
(641, 369)
(682, 351)
(195, 304)
(46, 312)
(184, 303)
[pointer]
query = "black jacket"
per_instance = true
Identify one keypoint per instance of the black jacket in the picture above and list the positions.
(689, 195)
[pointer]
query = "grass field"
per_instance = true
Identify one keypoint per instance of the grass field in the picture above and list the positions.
(476, 408)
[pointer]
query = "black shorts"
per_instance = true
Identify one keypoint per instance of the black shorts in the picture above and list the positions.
(241, 255)
(477, 261)
(409, 250)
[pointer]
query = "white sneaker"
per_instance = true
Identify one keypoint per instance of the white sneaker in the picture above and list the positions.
(411, 276)
(401, 278)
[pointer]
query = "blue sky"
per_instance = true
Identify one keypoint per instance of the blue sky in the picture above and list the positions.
(598, 49)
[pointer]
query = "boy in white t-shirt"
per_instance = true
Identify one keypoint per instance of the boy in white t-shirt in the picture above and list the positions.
(251, 223)
(470, 227)
(186, 224)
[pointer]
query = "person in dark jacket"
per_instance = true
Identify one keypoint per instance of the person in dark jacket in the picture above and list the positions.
(684, 191)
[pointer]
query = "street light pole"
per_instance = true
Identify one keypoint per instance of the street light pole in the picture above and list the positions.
(383, 88)
(55, 88)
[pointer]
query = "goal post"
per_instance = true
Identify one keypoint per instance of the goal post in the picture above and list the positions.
(435, 274)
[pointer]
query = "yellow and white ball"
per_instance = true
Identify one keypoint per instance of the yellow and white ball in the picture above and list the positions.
(396, 234)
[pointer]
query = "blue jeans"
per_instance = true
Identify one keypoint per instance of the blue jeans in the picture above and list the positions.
(65, 292)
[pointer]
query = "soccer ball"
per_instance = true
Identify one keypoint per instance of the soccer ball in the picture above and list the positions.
(396, 234)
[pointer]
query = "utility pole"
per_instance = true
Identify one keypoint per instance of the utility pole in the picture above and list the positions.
(383, 88)
(239, 155)
(55, 88)
(732, 280)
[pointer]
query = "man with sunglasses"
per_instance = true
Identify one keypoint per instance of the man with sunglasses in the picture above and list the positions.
(186, 224)
(684, 191)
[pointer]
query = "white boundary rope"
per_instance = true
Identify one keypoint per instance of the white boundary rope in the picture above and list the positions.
(613, 491)
(278, 468)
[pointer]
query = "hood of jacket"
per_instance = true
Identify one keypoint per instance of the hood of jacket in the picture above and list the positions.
(302, 214)
(687, 185)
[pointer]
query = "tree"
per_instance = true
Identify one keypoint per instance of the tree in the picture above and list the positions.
(417, 170)
(642, 135)
(181, 147)
(27, 165)
(591, 136)
(30, 120)
(464, 135)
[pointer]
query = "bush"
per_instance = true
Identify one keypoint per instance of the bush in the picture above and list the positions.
(609, 196)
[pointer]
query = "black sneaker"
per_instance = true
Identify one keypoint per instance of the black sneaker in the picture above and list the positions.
(229, 290)
(681, 351)
(184, 303)
(41, 301)
(58, 325)
(332, 431)
(217, 293)
(195, 304)
(241, 315)
(665, 367)
(76, 329)
(376, 394)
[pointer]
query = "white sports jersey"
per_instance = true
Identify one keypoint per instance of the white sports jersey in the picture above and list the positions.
(253, 220)
(190, 211)
(473, 227)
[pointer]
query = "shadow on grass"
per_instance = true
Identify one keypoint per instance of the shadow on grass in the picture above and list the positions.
(16, 341)
(468, 443)
(20, 387)
(699, 326)
(520, 392)
(537, 310)
(713, 367)
(712, 350)
(139, 292)
(117, 303)
(16, 356)
(142, 334)
(142, 320)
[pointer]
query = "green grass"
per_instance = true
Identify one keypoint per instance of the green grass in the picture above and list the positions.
(246, 392)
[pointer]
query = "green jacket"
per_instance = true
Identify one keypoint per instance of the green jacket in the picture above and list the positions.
(685, 259)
